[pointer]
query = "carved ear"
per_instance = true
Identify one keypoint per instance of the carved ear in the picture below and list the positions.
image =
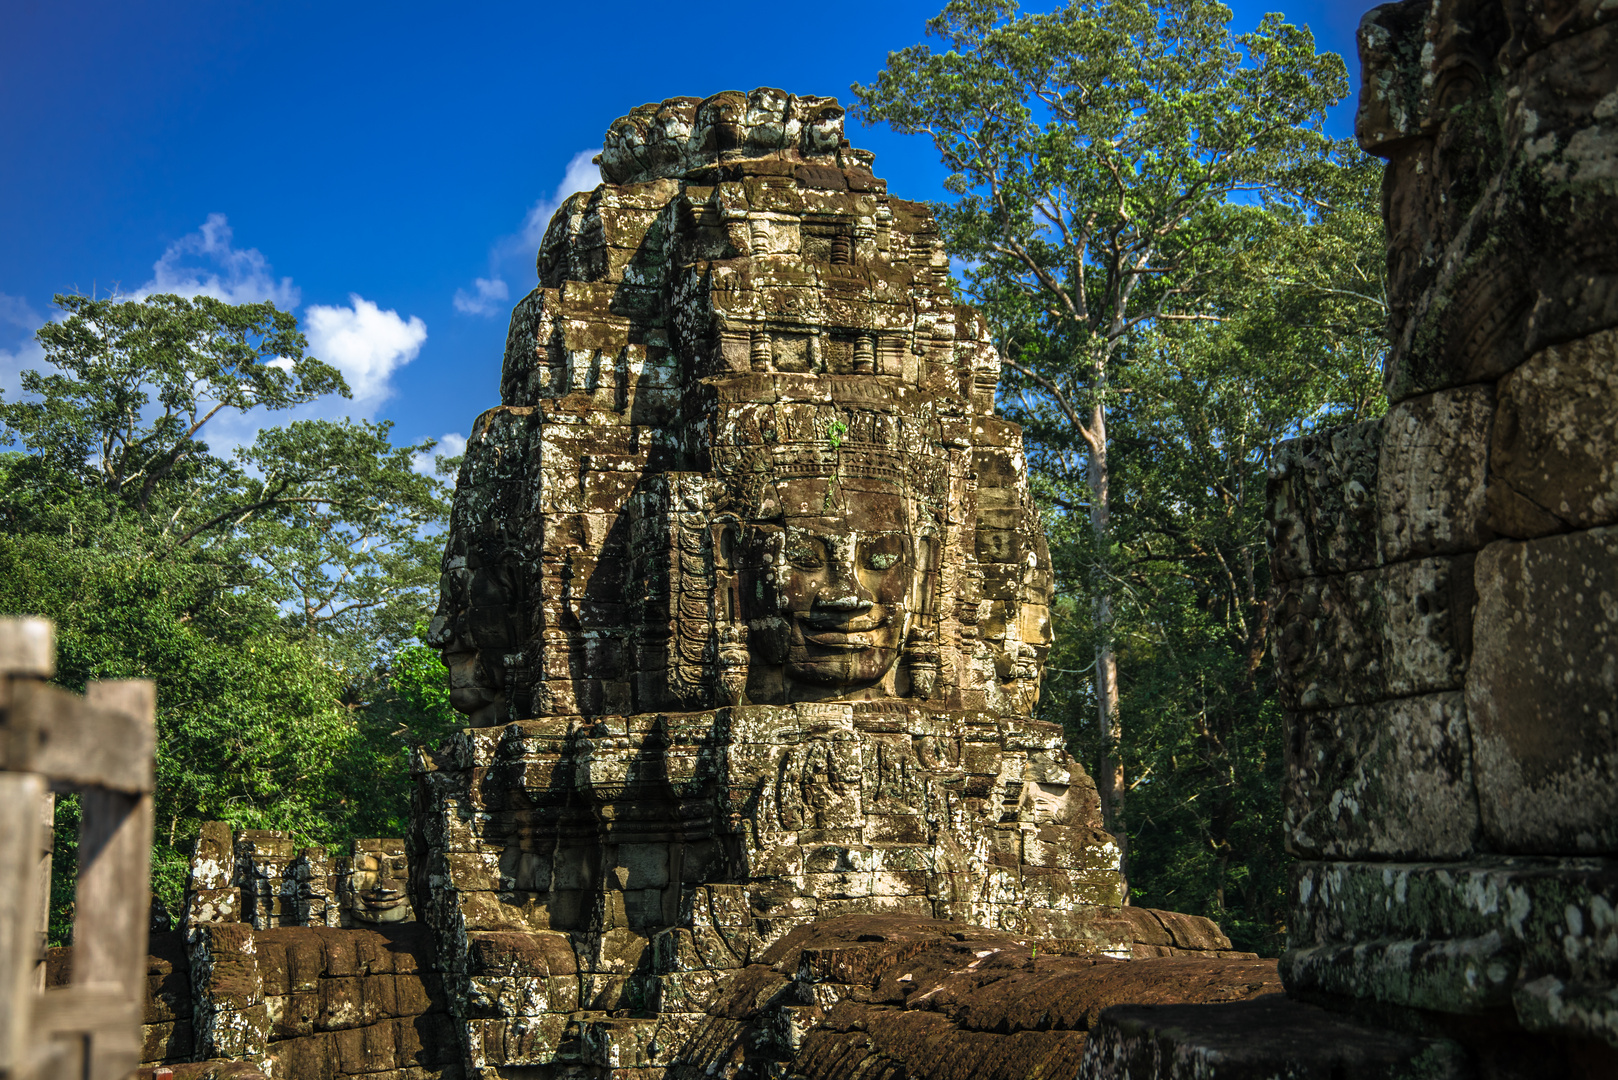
(924, 586)
(921, 660)
(730, 625)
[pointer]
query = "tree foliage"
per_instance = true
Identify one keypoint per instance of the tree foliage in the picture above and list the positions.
(1182, 270)
(274, 593)
(1113, 161)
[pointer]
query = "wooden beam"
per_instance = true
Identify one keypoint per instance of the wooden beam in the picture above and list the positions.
(97, 1021)
(75, 741)
(27, 648)
(20, 796)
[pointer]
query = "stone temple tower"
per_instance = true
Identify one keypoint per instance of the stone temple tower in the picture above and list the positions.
(745, 600)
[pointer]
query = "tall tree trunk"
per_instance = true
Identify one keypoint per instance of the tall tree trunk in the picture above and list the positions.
(1110, 778)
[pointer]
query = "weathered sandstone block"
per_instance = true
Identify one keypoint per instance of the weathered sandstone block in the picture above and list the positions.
(1554, 457)
(890, 995)
(1321, 503)
(1391, 632)
(1430, 479)
(1259, 1040)
(1391, 780)
(1542, 693)
(1490, 933)
(1450, 699)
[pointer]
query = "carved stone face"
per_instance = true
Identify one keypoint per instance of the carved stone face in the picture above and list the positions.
(376, 889)
(476, 682)
(844, 579)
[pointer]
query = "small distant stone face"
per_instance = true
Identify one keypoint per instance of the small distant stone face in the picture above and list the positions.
(375, 887)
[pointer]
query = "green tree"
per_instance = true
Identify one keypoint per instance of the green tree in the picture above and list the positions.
(273, 593)
(1114, 162)
(327, 517)
(1193, 438)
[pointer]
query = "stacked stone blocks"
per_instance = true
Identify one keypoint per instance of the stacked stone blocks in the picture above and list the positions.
(1447, 629)
(746, 598)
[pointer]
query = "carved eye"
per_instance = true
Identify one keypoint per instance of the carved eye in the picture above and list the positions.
(884, 553)
(805, 553)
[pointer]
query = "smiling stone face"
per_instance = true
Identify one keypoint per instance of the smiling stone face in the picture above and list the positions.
(742, 347)
(841, 581)
(845, 595)
(375, 883)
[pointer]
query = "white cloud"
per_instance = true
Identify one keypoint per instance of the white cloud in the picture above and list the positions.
(205, 263)
(505, 253)
(15, 311)
(365, 343)
(488, 294)
(13, 362)
(582, 175)
(27, 353)
(450, 444)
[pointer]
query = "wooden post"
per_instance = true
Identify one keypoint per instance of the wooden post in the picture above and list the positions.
(113, 902)
(47, 845)
(101, 746)
(27, 651)
(20, 796)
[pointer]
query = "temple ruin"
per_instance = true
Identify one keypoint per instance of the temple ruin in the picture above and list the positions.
(745, 601)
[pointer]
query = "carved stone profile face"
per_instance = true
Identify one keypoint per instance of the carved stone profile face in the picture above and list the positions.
(477, 685)
(844, 582)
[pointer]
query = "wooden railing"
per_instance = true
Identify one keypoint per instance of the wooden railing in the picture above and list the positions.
(101, 747)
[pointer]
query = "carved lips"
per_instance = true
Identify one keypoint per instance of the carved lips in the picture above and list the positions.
(833, 631)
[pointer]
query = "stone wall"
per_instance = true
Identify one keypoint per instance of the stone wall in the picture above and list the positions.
(319, 1004)
(291, 964)
(1448, 639)
(292, 1004)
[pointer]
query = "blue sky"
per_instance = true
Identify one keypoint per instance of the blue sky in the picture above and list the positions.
(368, 163)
